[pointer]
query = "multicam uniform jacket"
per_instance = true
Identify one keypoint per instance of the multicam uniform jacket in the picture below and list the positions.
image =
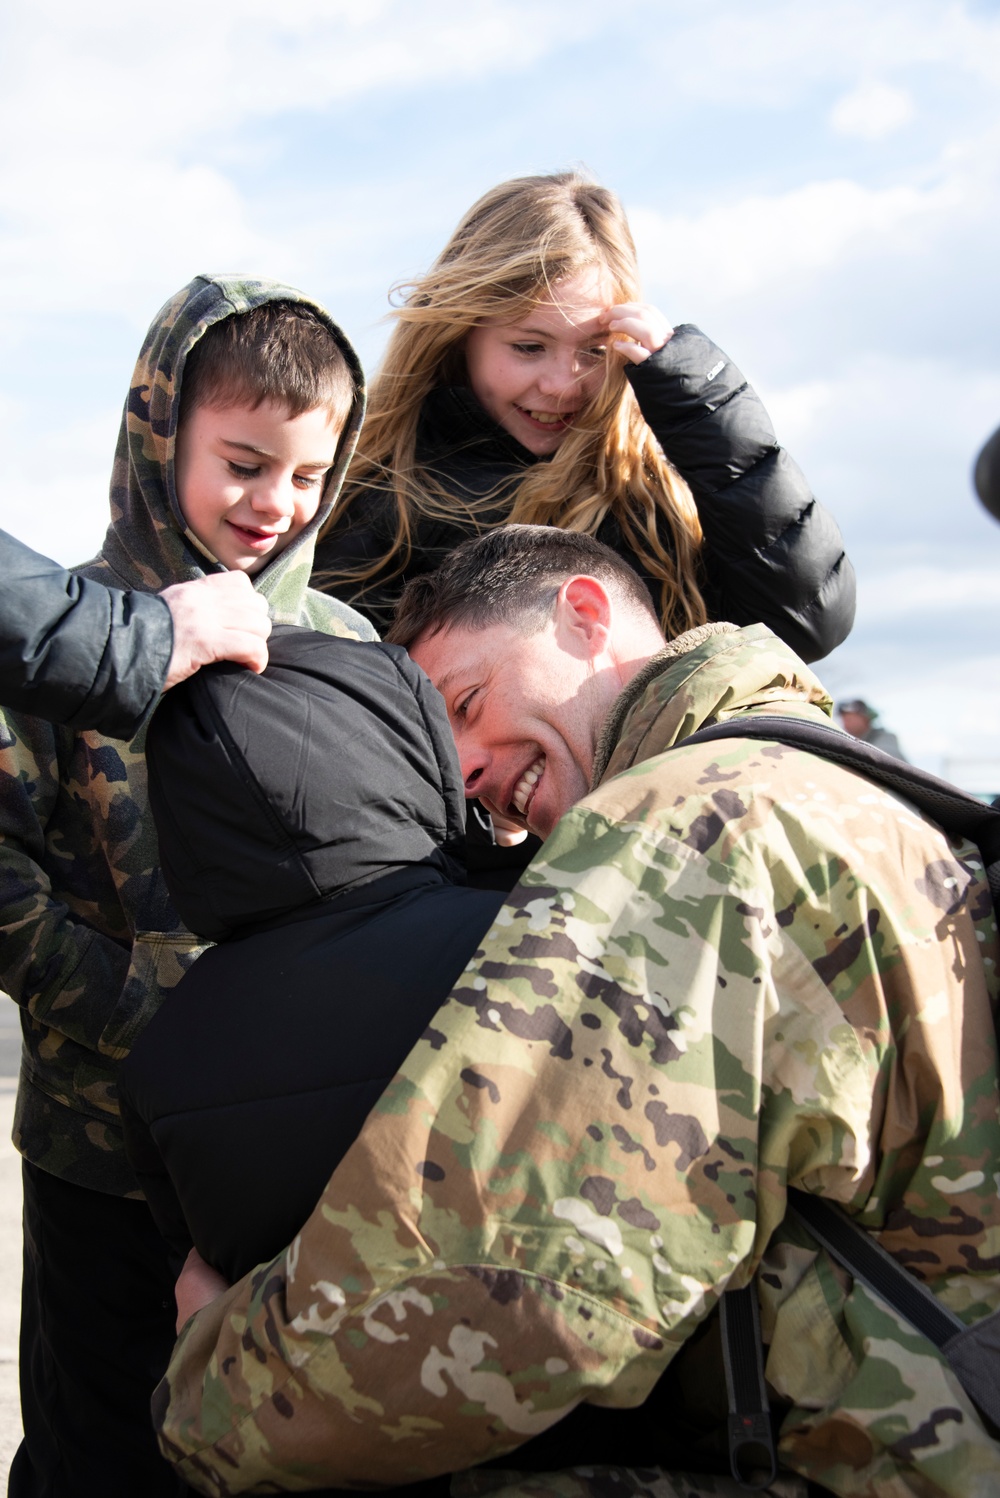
(732, 968)
(89, 943)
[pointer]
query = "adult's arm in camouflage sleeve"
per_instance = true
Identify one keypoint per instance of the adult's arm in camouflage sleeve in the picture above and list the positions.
(47, 954)
(545, 1203)
(75, 652)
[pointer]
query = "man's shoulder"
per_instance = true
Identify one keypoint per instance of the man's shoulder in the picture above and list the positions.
(741, 800)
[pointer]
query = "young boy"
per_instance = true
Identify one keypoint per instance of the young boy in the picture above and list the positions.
(244, 411)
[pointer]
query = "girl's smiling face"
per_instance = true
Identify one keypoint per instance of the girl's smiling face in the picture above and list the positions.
(535, 376)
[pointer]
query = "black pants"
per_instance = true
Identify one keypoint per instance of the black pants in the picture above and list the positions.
(97, 1329)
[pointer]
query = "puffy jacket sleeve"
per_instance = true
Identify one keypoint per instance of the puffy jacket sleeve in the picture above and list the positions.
(773, 555)
(62, 969)
(75, 652)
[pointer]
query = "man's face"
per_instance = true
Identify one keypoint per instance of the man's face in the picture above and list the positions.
(525, 712)
(856, 723)
(248, 480)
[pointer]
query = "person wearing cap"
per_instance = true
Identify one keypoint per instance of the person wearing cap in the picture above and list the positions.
(861, 722)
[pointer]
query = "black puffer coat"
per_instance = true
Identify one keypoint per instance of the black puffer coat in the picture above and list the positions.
(772, 554)
(75, 652)
(308, 820)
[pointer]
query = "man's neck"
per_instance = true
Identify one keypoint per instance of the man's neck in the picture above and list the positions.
(638, 671)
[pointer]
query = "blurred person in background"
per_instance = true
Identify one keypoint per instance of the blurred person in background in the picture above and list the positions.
(861, 722)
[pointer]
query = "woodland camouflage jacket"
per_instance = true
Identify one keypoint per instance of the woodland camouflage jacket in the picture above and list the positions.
(733, 967)
(89, 943)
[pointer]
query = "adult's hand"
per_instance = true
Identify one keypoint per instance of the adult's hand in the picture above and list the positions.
(198, 1284)
(216, 618)
(638, 329)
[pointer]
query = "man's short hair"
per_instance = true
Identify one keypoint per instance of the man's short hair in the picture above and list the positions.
(280, 351)
(512, 576)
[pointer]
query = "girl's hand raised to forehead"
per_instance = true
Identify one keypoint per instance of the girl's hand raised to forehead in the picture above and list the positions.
(637, 330)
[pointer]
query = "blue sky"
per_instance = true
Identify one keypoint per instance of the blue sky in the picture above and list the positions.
(818, 187)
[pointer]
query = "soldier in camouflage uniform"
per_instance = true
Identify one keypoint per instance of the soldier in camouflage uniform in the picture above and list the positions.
(732, 968)
(89, 944)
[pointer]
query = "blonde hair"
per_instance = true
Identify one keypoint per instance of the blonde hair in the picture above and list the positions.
(510, 252)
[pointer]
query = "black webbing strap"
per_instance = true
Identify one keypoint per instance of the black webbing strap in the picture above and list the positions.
(972, 1352)
(855, 1248)
(752, 1457)
(959, 814)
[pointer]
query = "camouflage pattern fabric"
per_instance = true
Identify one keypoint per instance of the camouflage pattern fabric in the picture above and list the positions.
(732, 968)
(89, 943)
(612, 1482)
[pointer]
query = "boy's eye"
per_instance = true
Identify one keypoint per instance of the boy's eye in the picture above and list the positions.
(238, 471)
(462, 706)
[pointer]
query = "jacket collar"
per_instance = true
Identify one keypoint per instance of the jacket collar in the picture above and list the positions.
(452, 422)
(707, 675)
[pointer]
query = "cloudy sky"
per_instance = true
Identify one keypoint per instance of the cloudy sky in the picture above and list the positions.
(818, 187)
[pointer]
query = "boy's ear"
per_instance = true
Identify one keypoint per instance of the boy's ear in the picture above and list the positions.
(583, 616)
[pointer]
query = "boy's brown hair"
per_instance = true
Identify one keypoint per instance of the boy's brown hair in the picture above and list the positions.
(280, 351)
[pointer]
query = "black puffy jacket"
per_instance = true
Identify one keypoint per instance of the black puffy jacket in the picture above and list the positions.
(308, 821)
(771, 554)
(75, 652)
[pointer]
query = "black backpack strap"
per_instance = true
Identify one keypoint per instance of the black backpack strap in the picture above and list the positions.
(973, 1352)
(855, 1248)
(956, 812)
(752, 1457)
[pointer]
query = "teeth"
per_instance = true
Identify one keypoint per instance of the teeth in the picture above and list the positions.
(550, 418)
(527, 783)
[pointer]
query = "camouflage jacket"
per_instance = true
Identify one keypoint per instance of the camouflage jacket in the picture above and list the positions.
(89, 943)
(733, 967)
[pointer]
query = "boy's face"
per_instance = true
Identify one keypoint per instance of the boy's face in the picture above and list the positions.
(249, 480)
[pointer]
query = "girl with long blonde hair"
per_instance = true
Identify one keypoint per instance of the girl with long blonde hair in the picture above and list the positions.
(526, 380)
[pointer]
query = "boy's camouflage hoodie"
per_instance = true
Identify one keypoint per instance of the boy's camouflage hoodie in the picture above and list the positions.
(89, 943)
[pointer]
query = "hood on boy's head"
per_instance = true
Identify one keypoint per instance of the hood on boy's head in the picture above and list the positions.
(334, 767)
(146, 544)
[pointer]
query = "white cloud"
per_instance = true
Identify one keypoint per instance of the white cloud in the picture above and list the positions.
(776, 52)
(754, 243)
(54, 489)
(872, 111)
(946, 716)
(925, 591)
(127, 132)
(868, 432)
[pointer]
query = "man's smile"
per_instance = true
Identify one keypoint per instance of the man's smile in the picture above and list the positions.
(524, 791)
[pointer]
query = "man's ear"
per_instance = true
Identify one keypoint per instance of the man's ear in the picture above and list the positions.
(583, 617)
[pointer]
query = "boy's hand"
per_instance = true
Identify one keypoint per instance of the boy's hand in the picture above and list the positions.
(198, 1284)
(637, 330)
(217, 618)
